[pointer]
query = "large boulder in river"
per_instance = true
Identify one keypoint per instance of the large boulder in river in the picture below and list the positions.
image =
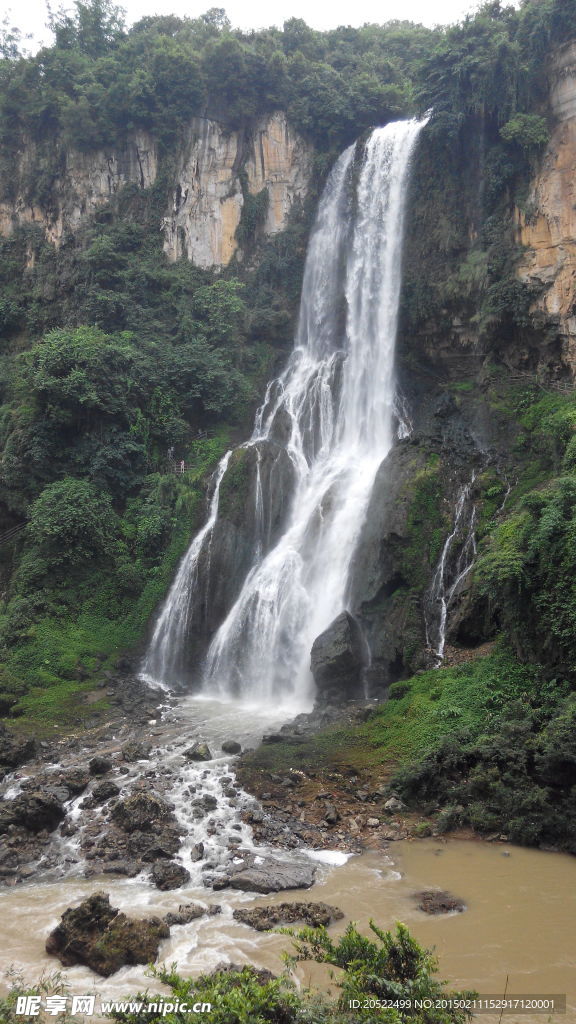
(35, 811)
(141, 811)
(198, 752)
(168, 875)
(338, 658)
(315, 915)
(97, 935)
(267, 874)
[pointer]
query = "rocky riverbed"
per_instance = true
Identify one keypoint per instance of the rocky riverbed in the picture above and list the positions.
(142, 793)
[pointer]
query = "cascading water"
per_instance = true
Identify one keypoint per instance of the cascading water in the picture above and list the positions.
(335, 406)
(454, 564)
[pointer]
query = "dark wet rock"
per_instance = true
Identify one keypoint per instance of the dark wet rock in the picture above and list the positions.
(198, 752)
(267, 874)
(129, 868)
(273, 737)
(433, 901)
(99, 765)
(197, 852)
(231, 747)
(104, 790)
(97, 935)
(141, 811)
(151, 848)
(75, 780)
(35, 811)
(169, 875)
(315, 915)
(331, 816)
(338, 659)
(14, 750)
(135, 751)
(191, 912)
(59, 792)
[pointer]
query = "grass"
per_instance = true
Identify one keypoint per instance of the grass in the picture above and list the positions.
(400, 730)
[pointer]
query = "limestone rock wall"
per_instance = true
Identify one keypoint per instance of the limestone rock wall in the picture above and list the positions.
(208, 199)
(83, 183)
(548, 230)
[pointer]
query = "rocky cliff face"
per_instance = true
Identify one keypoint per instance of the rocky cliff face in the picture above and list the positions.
(215, 168)
(83, 182)
(548, 229)
(208, 197)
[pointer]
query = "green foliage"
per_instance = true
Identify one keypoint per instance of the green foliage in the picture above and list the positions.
(394, 966)
(70, 522)
(51, 983)
(528, 130)
(517, 777)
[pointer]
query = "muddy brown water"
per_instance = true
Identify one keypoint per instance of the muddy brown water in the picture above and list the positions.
(520, 919)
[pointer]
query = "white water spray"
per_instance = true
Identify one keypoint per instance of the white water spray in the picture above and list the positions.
(443, 590)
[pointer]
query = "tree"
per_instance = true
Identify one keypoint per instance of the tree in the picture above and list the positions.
(71, 521)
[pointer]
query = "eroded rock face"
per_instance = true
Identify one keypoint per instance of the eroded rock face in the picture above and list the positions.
(85, 181)
(95, 934)
(549, 228)
(207, 199)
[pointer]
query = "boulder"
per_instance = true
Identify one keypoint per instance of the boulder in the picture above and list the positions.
(190, 912)
(169, 875)
(338, 658)
(75, 780)
(267, 874)
(14, 751)
(141, 811)
(198, 752)
(99, 765)
(434, 901)
(197, 852)
(135, 751)
(104, 790)
(97, 935)
(393, 805)
(231, 747)
(315, 915)
(34, 811)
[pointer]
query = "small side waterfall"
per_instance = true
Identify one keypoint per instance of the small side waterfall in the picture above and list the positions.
(333, 412)
(456, 561)
(165, 652)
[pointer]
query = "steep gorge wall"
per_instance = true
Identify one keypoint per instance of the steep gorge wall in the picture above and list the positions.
(215, 167)
(548, 228)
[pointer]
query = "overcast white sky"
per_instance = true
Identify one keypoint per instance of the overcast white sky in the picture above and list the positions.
(30, 15)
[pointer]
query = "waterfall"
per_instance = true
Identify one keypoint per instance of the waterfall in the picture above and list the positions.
(454, 564)
(165, 656)
(335, 404)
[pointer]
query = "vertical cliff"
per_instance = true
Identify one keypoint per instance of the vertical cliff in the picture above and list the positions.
(216, 168)
(208, 197)
(547, 227)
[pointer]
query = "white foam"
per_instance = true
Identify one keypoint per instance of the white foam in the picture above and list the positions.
(336, 858)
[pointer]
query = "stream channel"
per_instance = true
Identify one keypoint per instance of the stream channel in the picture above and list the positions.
(520, 917)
